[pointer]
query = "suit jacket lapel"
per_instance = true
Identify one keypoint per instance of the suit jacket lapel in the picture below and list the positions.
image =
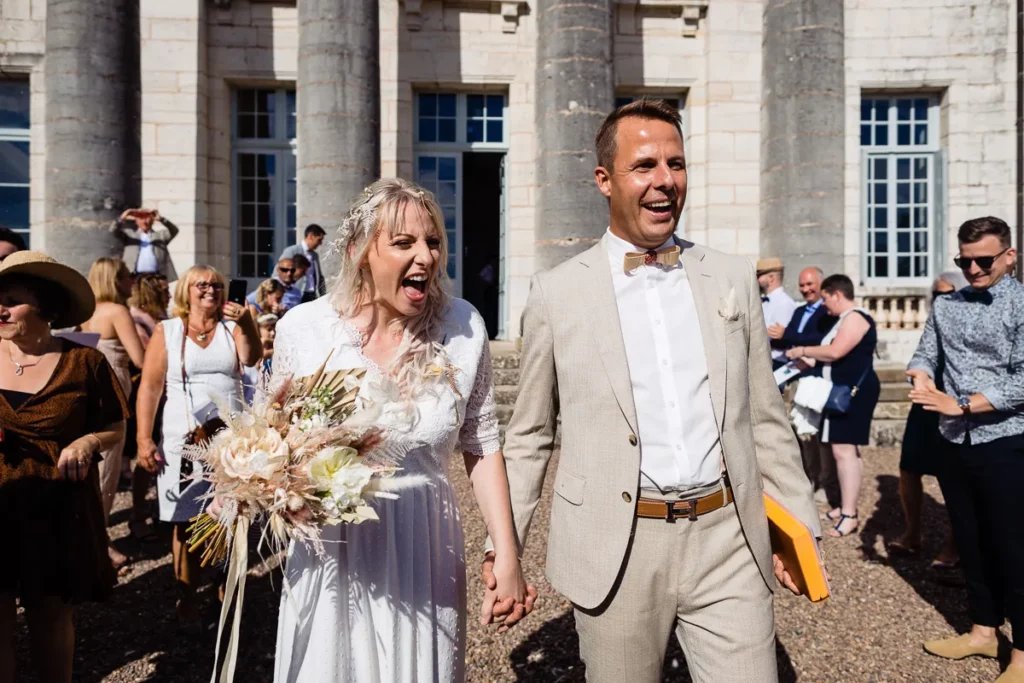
(603, 314)
(706, 296)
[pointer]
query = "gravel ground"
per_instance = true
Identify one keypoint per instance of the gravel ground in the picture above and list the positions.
(871, 631)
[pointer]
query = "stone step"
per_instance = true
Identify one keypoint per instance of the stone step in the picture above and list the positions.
(505, 395)
(894, 393)
(505, 377)
(892, 410)
(892, 374)
(508, 360)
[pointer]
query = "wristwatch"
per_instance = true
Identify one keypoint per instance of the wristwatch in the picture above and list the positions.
(965, 404)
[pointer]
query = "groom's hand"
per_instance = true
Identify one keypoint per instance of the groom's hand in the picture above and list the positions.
(783, 576)
(506, 612)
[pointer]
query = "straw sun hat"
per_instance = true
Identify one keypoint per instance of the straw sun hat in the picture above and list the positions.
(80, 300)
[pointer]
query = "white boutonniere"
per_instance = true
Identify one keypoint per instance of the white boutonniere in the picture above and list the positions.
(728, 307)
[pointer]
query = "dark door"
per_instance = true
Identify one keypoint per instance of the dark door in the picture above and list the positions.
(481, 234)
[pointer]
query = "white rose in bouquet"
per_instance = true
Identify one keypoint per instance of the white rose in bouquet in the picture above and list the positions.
(259, 452)
(339, 477)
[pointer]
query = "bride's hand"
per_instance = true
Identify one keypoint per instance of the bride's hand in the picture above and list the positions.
(508, 598)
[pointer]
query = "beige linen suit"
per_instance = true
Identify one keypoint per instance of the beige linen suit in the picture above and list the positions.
(574, 366)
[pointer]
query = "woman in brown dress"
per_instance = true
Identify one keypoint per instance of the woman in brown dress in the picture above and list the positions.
(60, 405)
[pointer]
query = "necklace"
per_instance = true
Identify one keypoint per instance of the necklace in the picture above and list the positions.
(201, 334)
(19, 368)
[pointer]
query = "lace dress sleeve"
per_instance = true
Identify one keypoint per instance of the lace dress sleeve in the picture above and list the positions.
(283, 366)
(479, 434)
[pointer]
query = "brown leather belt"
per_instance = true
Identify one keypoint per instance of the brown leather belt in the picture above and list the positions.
(671, 510)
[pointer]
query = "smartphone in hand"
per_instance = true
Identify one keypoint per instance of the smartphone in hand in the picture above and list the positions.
(237, 290)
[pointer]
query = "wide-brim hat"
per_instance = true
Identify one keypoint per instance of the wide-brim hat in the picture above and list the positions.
(80, 303)
(768, 265)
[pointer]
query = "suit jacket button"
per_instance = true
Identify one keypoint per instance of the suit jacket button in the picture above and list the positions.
(632, 440)
(626, 497)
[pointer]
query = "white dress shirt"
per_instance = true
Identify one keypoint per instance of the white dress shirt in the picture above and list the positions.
(779, 308)
(668, 372)
(146, 263)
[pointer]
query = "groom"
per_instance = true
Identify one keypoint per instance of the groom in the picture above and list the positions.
(653, 352)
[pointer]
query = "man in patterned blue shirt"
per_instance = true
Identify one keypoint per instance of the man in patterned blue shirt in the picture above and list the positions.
(979, 333)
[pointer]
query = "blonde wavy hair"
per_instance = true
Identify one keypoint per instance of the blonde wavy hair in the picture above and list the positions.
(266, 289)
(185, 282)
(148, 296)
(381, 208)
(103, 277)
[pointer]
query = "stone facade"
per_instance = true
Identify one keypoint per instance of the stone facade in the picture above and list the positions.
(708, 55)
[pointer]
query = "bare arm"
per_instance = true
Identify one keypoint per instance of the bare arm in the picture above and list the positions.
(247, 337)
(85, 448)
(124, 326)
(851, 331)
(151, 389)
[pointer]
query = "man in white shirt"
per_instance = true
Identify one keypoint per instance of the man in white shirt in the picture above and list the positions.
(658, 520)
(313, 284)
(776, 305)
(145, 245)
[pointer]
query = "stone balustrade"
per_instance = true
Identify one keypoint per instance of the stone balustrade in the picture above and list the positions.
(897, 311)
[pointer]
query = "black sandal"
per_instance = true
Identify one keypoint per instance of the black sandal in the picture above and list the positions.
(842, 518)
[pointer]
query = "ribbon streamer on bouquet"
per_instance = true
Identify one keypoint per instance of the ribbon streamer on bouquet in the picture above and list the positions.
(238, 566)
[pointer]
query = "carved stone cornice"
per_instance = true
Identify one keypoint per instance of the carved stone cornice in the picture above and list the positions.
(690, 11)
(510, 11)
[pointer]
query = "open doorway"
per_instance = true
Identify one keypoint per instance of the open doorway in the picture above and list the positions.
(481, 234)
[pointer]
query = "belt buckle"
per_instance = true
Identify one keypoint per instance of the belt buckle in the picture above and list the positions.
(671, 516)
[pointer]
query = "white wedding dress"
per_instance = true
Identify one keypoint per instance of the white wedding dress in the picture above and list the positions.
(388, 603)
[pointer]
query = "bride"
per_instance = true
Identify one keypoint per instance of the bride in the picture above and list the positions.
(388, 601)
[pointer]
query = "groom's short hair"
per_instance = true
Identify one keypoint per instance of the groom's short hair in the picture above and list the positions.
(643, 109)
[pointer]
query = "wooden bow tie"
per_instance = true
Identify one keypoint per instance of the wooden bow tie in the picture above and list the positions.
(669, 256)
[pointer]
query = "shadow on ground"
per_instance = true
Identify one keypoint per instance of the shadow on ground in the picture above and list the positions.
(941, 589)
(552, 654)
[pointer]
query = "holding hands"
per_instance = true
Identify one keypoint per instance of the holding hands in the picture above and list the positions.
(507, 598)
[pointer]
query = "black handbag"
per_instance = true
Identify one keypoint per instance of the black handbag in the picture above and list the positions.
(841, 396)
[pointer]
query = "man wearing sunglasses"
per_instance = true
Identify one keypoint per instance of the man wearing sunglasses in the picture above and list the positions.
(285, 274)
(978, 333)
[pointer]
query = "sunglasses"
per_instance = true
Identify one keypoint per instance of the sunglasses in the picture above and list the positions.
(205, 286)
(286, 270)
(984, 262)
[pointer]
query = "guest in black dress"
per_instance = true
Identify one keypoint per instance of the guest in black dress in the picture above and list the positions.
(848, 361)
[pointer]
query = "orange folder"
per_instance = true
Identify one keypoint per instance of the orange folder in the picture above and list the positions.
(794, 543)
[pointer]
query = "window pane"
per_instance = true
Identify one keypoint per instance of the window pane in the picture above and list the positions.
(446, 130)
(903, 217)
(881, 110)
(474, 131)
(265, 265)
(921, 217)
(622, 101)
(881, 218)
(263, 190)
(865, 110)
(495, 106)
(446, 105)
(920, 241)
(428, 130)
(246, 101)
(494, 132)
(881, 242)
(921, 109)
(446, 168)
(902, 266)
(903, 169)
(451, 267)
(920, 193)
(449, 218)
(264, 127)
(13, 162)
(247, 165)
(427, 171)
(882, 135)
(475, 106)
(881, 266)
(902, 193)
(248, 217)
(428, 105)
(881, 169)
(881, 193)
(921, 266)
(902, 242)
(266, 241)
(247, 265)
(903, 110)
(920, 168)
(14, 207)
(263, 216)
(446, 193)
(290, 98)
(903, 134)
(920, 134)
(246, 126)
(865, 136)
(248, 240)
(14, 104)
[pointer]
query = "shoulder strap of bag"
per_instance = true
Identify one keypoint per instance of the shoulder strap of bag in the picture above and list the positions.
(184, 377)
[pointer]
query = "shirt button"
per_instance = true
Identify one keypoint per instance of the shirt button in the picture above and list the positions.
(632, 440)
(626, 497)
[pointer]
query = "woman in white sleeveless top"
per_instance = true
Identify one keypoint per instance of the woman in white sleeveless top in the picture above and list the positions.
(387, 602)
(214, 338)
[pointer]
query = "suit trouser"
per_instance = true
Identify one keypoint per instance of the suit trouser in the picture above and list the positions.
(983, 485)
(698, 578)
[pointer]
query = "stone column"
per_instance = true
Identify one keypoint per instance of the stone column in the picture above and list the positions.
(92, 167)
(338, 108)
(802, 135)
(575, 91)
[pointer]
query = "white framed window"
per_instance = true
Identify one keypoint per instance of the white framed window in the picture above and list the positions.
(448, 124)
(263, 179)
(677, 103)
(14, 156)
(902, 171)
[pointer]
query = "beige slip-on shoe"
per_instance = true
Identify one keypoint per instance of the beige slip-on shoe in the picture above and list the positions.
(1013, 674)
(960, 647)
